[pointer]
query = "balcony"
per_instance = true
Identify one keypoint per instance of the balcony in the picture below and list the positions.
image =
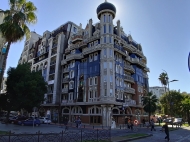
(65, 80)
(129, 68)
(52, 63)
(53, 52)
(89, 50)
(65, 90)
(52, 72)
(128, 58)
(73, 56)
(129, 102)
(76, 38)
(54, 45)
(65, 70)
(138, 52)
(139, 62)
(93, 99)
(49, 102)
(145, 75)
(64, 101)
(129, 90)
(129, 79)
(63, 62)
(147, 69)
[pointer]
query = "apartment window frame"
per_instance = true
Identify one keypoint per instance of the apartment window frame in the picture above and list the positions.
(95, 80)
(71, 84)
(104, 28)
(105, 65)
(111, 78)
(104, 39)
(72, 74)
(90, 81)
(111, 92)
(95, 56)
(91, 58)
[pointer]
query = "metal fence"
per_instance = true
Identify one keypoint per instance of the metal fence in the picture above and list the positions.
(82, 135)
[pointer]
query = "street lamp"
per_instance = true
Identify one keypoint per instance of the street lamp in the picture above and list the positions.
(168, 82)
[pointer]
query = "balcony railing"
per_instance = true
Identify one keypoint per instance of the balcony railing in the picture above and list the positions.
(77, 38)
(139, 62)
(91, 49)
(93, 99)
(129, 78)
(53, 52)
(73, 56)
(64, 90)
(65, 80)
(129, 102)
(129, 90)
(129, 67)
(65, 70)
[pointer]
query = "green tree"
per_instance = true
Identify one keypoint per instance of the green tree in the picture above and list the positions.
(25, 89)
(170, 103)
(185, 107)
(163, 77)
(149, 103)
(15, 24)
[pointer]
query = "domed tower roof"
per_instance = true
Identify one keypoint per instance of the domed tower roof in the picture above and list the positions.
(106, 6)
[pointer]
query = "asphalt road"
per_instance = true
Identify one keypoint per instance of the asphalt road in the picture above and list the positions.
(180, 135)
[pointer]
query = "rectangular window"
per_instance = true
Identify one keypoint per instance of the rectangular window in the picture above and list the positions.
(95, 68)
(104, 52)
(104, 18)
(105, 78)
(95, 80)
(110, 29)
(90, 81)
(90, 58)
(90, 69)
(111, 92)
(105, 65)
(95, 56)
(110, 39)
(111, 78)
(105, 92)
(104, 28)
(111, 52)
(110, 64)
(105, 39)
(95, 94)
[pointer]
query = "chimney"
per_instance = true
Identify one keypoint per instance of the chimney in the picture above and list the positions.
(90, 28)
(118, 28)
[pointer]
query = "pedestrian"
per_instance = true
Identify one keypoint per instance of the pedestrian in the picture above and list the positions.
(152, 125)
(143, 121)
(166, 129)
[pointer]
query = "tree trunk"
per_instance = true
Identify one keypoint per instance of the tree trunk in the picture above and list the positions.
(5, 62)
(7, 117)
(149, 113)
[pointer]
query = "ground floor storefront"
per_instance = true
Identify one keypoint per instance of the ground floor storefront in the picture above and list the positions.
(93, 114)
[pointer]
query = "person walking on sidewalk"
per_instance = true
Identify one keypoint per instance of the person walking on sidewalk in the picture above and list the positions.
(152, 125)
(166, 129)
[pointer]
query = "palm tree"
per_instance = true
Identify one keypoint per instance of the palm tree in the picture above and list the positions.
(15, 24)
(149, 103)
(164, 79)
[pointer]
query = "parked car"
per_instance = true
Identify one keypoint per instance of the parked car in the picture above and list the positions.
(30, 121)
(168, 120)
(177, 121)
(45, 120)
(19, 118)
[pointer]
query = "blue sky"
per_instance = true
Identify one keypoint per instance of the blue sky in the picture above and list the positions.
(162, 27)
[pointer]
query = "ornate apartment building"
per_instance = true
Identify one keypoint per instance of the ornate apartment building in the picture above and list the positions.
(98, 73)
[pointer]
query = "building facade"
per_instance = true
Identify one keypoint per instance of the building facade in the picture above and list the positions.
(98, 73)
(158, 91)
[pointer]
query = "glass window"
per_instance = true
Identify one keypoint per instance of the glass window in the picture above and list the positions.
(111, 92)
(105, 92)
(110, 64)
(95, 56)
(104, 51)
(104, 18)
(111, 78)
(90, 58)
(105, 39)
(109, 18)
(110, 29)
(105, 78)
(104, 28)
(95, 80)
(90, 69)
(110, 39)
(105, 65)
(111, 52)
(95, 68)
(95, 94)
(71, 85)
(90, 81)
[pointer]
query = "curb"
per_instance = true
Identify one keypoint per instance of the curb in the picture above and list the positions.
(131, 139)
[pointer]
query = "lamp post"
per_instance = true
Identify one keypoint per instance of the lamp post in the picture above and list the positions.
(168, 82)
